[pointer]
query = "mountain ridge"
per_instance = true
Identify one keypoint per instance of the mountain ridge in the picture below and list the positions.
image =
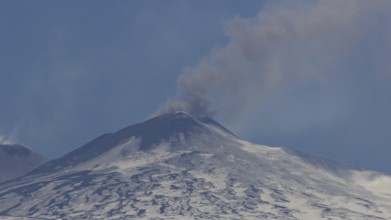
(152, 131)
(177, 166)
(17, 160)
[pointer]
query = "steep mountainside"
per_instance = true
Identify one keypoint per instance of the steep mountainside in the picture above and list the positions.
(177, 167)
(16, 160)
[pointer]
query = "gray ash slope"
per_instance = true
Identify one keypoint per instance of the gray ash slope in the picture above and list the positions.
(17, 160)
(177, 167)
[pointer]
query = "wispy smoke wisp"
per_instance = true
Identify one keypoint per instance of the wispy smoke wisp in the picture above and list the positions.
(4, 140)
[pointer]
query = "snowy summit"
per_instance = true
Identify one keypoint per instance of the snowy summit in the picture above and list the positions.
(17, 160)
(175, 166)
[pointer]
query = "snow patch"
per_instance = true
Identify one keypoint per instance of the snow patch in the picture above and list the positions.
(378, 184)
(218, 177)
(272, 153)
(140, 158)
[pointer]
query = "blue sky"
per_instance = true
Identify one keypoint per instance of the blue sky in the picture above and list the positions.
(310, 75)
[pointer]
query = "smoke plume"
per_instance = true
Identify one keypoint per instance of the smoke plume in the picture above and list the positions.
(4, 140)
(289, 44)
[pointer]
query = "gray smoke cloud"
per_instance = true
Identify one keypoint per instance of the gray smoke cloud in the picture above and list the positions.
(289, 44)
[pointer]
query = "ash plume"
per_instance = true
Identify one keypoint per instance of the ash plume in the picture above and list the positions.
(288, 45)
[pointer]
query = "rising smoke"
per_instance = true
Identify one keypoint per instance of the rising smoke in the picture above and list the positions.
(289, 43)
(4, 140)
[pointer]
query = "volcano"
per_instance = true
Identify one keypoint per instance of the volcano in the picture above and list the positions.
(17, 160)
(176, 166)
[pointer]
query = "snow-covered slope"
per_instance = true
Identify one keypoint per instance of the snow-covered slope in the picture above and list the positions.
(16, 160)
(177, 167)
